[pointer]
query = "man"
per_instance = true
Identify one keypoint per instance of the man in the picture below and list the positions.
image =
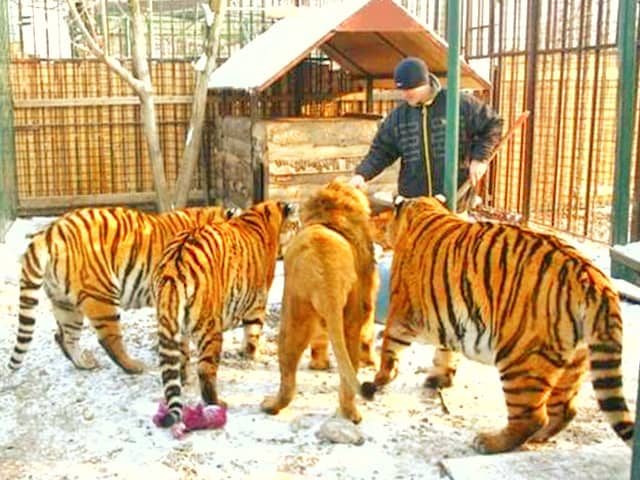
(415, 131)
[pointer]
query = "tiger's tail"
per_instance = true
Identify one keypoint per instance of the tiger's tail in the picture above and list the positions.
(605, 347)
(170, 307)
(34, 262)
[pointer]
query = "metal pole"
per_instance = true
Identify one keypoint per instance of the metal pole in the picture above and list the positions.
(626, 119)
(627, 82)
(453, 103)
(533, 19)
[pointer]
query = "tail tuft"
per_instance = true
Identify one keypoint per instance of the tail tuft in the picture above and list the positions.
(170, 419)
(368, 389)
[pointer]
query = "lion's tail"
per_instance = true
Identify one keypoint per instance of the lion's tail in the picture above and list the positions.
(335, 328)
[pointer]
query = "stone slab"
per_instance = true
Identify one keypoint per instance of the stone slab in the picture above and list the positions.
(598, 462)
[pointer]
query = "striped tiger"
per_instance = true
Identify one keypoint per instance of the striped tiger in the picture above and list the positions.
(524, 301)
(94, 262)
(211, 279)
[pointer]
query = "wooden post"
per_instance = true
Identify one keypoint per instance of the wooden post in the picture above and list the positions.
(257, 166)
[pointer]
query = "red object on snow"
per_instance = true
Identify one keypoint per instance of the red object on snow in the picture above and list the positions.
(199, 417)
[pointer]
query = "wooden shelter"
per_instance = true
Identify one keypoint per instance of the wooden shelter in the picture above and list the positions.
(301, 102)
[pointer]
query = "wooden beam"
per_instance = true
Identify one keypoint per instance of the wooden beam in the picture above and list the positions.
(100, 101)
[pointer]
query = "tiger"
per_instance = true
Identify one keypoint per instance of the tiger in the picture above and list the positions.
(524, 301)
(211, 279)
(94, 262)
(330, 283)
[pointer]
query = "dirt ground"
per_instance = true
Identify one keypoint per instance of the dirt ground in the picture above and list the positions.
(61, 423)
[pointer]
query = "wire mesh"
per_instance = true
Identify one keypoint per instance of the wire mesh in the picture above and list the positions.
(575, 85)
(69, 108)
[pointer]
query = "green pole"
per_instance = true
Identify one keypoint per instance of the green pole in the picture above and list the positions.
(624, 133)
(453, 103)
(627, 82)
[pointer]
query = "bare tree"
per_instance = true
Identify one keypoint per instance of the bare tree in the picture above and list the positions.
(139, 78)
(196, 124)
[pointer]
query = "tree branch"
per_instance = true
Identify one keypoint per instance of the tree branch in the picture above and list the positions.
(94, 47)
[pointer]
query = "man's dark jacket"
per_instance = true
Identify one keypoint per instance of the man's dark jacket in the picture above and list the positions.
(400, 135)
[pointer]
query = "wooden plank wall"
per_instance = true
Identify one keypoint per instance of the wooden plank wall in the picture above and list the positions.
(78, 137)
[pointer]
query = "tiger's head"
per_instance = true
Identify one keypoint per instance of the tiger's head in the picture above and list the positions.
(290, 226)
(280, 218)
(407, 211)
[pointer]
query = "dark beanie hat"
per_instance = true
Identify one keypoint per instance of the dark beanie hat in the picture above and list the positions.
(410, 73)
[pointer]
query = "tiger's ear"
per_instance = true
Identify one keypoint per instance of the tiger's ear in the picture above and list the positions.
(398, 202)
(289, 210)
(231, 212)
(441, 198)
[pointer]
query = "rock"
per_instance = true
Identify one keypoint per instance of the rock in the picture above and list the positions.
(302, 422)
(339, 430)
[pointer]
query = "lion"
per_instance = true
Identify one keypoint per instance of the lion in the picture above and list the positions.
(330, 287)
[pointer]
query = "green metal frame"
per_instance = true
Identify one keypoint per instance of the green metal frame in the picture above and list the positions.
(453, 103)
(8, 198)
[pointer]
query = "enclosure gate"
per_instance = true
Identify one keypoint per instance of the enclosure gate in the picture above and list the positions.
(558, 60)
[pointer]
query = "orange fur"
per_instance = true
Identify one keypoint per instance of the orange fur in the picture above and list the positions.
(94, 262)
(211, 279)
(526, 302)
(329, 291)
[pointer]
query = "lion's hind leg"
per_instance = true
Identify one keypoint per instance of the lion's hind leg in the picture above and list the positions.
(296, 329)
(319, 348)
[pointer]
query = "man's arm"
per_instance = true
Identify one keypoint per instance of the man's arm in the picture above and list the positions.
(382, 153)
(483, 127)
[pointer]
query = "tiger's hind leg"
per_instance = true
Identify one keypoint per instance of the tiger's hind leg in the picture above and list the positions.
(252, 334)
(70, 322)
(184, 359)
(105, 319)
(368, 354)
(445, 364)
(293, 337)
(209, 350)
(561, 406)
(527, 383)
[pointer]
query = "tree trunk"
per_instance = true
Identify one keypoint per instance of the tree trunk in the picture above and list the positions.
(193, 143)
(148, 109)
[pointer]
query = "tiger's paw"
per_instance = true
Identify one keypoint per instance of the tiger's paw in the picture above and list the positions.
(271, 405)
(385, 375)
(133, 367)
(86, 361)
(494, 443)
(251, 352)
(436, 382)
(319, 364)
(82, 360)
(369, 358)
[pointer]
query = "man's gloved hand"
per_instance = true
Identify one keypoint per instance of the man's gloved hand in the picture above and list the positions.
(358, 181)
(477, 169)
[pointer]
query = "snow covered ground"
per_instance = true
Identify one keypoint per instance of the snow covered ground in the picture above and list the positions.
(59, 422)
